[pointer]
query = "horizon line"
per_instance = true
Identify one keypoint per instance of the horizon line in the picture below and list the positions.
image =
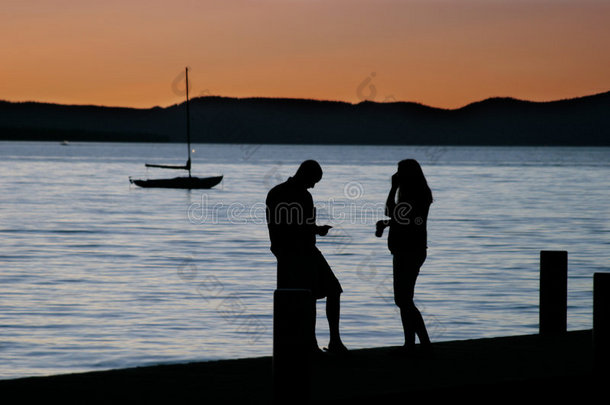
(310, 99)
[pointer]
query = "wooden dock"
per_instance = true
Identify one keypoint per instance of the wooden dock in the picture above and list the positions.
(519, 367)
(554, 364)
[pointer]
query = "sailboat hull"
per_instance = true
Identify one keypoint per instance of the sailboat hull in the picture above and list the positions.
(179, 182)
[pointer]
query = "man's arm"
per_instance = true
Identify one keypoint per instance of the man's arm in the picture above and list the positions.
(322, 230)
(311, 218)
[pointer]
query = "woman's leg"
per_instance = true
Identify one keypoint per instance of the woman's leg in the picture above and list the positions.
(408, 326)
(413, 324)
(406, 269)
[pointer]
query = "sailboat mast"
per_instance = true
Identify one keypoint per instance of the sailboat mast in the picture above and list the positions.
(188, 121)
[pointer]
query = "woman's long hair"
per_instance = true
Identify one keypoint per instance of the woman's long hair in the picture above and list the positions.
(412, 184)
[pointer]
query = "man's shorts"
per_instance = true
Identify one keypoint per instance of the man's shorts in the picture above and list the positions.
(309, 271)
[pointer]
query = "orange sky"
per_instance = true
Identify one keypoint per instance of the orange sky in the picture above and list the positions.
(441, 53)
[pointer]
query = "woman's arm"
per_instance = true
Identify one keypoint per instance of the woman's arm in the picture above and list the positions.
(390, 204)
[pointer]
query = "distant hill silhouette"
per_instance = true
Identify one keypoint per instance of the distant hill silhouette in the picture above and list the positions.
(496, 121)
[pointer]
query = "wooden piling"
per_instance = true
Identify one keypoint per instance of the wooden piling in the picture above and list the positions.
(553, 292)
(601, 322)
(293, 330)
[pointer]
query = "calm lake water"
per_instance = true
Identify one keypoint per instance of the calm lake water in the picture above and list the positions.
(96, 273)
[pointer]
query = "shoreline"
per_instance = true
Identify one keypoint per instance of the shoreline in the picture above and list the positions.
(514, 366)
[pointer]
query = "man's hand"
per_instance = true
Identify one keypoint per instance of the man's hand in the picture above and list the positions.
(323, 230)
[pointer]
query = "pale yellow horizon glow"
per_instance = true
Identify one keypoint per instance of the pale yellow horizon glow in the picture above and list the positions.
(439, 53)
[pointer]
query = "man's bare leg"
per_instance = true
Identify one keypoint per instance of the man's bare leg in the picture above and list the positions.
(333, 310)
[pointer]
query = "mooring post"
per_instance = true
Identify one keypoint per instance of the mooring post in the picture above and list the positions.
(601, 322)
(553, 292)
(293, 330)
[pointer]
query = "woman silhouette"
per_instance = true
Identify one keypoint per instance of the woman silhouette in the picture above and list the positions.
(407, 241)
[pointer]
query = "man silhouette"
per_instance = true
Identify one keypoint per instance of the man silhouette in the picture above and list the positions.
(291, 220)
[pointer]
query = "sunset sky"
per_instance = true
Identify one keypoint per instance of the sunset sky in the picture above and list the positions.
(440, 53)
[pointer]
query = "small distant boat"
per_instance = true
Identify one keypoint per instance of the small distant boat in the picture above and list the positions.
(65, 143)
(184, 182)
(179, 182)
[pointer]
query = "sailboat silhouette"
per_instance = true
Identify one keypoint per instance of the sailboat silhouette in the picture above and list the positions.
(189, 182)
